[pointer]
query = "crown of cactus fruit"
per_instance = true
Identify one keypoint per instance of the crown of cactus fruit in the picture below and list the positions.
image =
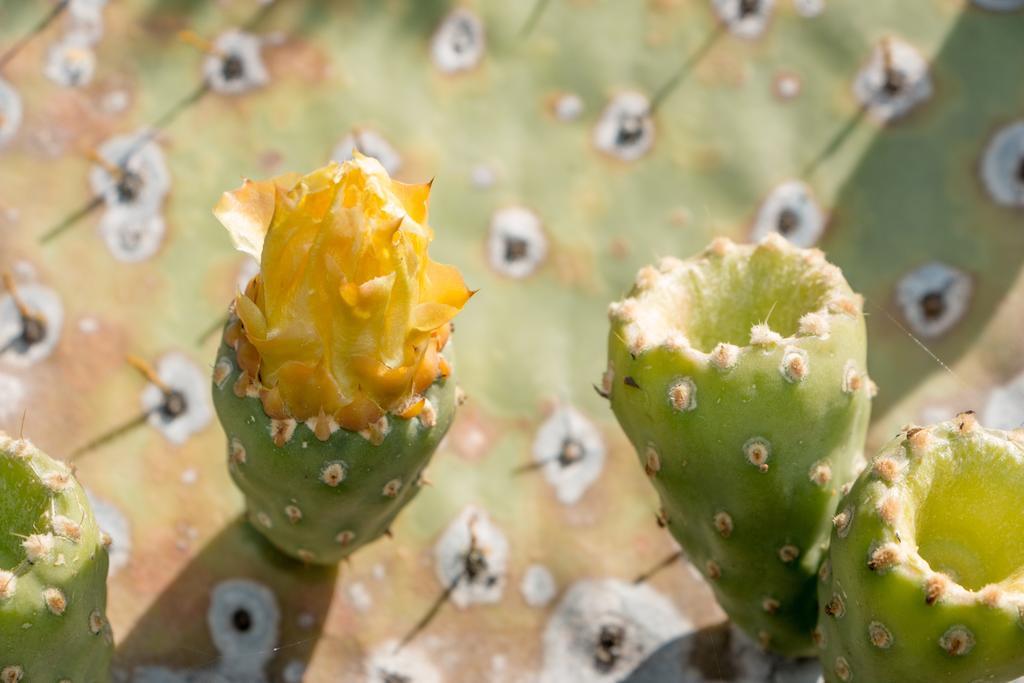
(739, 376)
(925, 576)
(53, 573)
(332, 380)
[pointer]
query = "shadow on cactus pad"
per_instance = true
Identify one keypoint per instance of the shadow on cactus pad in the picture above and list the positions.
(258, 615)
(931, 249)
(720, 653)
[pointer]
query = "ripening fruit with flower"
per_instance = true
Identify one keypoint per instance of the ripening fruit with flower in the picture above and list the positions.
(333, 380)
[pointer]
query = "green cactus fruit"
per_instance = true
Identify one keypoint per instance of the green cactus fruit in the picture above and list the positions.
(320, 500)
(53, 573)
(332, 381)
(925, 576)
(740, 378)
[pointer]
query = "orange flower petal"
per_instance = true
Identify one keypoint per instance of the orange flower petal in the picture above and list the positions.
(430, 316)
(415, 199)
(247, 213)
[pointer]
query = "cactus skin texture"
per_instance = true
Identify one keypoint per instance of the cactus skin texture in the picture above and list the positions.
(747, 433)
(53, 573)
(924, 580)
(291, 497)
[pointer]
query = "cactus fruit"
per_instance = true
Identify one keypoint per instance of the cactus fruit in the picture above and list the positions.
(924, 576)
(740, 378)
(53, 573)
(332, 381)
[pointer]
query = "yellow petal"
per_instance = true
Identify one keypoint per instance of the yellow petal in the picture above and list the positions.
(349, 311)
(415, 199)
(445, 285)
(430, 316)
(307, 389)
(373, 292)
(252, 317)
(396, 315)
(247, 213)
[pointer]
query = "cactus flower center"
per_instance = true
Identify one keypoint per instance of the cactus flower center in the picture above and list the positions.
(348, 314)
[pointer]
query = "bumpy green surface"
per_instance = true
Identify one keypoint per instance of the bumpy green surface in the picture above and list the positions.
(320, 501)
(926, 568)
(53, 573)
(748, 444)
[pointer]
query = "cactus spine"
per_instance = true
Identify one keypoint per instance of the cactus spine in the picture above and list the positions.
(740, 378)
(926, 566)
(53, 573)
(332, 381)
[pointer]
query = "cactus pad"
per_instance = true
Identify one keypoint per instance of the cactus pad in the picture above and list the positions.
(53, 573)
(515, 109)
(740, 378)
(926, 568)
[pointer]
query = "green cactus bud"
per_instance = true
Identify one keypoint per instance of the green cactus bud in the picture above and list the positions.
(740, 378)
(926, 567)
(53, 573)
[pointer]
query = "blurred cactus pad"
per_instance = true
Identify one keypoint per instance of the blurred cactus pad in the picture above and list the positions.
(570, 142)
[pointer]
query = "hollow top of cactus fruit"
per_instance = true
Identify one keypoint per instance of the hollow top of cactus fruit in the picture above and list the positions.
(733, 296)
(348, 314)
(954, 494)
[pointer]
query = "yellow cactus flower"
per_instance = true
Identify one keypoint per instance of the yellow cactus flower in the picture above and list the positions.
(348, 314)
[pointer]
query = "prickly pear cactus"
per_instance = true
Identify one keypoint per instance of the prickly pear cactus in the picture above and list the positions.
(571, 142)
(53, 573)
(740, 378)
(923, 578)
(331, 380)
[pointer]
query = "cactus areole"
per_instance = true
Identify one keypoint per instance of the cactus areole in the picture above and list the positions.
(925, 577)
(333, 378)
(739, 375)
